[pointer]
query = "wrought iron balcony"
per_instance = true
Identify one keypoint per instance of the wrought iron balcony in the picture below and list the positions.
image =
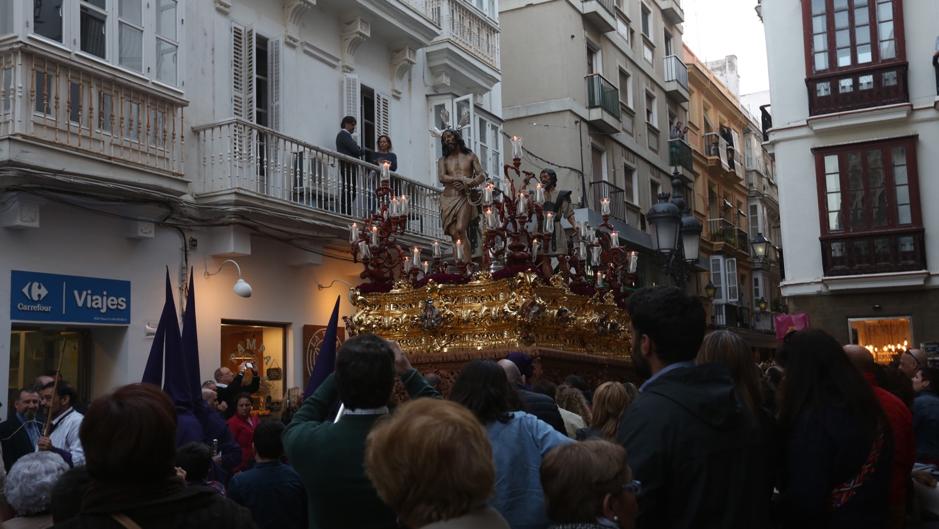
(616, 195)
(874, 253)
(51, 100)
(680, 154)
(603, 104)
(723, 231)
(676, 79)
(858, 89)
(240, 157)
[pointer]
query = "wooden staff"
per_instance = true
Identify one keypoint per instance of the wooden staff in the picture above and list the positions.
(55, 387)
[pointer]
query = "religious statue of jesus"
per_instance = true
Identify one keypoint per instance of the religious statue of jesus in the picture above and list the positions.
(460, 173)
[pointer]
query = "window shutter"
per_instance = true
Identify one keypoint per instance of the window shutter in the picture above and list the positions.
(757, 289)
(382, 115)
(274, 59)
(242, 69)
(351, 96)
(717, 277)
(733, 294)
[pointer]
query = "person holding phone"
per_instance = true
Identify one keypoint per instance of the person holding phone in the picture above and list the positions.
(229, 385)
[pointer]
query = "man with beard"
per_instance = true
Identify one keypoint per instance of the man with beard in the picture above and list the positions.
(19, 434)
(689, 439)
(459, 171)
(61, 436)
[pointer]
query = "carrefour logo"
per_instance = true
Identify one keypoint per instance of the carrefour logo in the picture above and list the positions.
(35, 291)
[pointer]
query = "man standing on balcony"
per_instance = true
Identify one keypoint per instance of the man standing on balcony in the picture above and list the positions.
(346, 144)
(460, 172)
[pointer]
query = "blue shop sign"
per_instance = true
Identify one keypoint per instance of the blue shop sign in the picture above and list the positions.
(68, 299)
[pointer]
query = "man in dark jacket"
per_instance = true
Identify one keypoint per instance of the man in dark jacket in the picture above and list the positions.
(346, 144)
(229, 386)
(541, 406)
(19, 434)
(271, 490)
(328, 455)
(689, 440)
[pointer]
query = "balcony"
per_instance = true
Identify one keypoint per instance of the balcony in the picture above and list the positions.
(407, 22)
(680, 154)
(465, 57)
(603, 107)
(676, 79)
(729, 315)
(82, 117)
(242, 163)
(600, 13)
(858, 89)
(616, 195)
(874, 253)
(722, 231)
(716, 151)
(672, 11)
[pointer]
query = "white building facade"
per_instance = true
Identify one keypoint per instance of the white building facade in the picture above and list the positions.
(855, 119)
(140, 136)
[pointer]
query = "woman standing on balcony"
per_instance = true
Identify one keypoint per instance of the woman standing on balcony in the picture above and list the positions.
(384, 154)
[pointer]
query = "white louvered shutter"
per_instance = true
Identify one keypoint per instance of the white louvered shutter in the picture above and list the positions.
(351, 96)
(717, 277)
(382, 115)
(242, 68)
(733, 294)
(276, 68)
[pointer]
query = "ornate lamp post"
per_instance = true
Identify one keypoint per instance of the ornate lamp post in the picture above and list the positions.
(760, 247)
(676, 232)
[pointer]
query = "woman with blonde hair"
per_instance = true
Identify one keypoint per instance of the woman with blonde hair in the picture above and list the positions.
(610, 400)
(573, 400)
(432, 463)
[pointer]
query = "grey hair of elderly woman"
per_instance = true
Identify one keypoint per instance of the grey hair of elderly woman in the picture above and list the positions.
(28, 488)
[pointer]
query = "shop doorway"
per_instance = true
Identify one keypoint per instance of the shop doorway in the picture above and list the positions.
(265, 346)
(35, 351)
(885, 337)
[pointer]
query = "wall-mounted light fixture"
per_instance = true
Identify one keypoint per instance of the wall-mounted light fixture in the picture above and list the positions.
(241, 288)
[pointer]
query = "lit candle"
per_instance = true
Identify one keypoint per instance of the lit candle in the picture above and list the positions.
(386, 170)
(535, 245)
(582, 251)
(407, 265)
(395, 207)
(459, 250)
(403, 205)
(522, 204)
(592, 236)
(364, 252)
(353, 232)
(633, 261)
(595, 255)
(599, 279)
(614, 239)
(582, 228)
(426, 267)
(416, 257)
(516, 147)
(539, 195)
(436, 250)
(487, 194)
(906, 344)
(490, 219)
(374, 236)
(549, 223)
(605, 206)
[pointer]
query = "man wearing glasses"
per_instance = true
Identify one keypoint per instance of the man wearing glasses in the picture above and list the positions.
(912, 361)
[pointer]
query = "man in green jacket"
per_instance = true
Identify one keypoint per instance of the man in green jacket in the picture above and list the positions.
(329, 456)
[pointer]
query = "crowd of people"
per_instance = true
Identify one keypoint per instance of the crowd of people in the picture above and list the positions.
(822, 437)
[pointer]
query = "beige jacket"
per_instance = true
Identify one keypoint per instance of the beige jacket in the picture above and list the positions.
(485, 518)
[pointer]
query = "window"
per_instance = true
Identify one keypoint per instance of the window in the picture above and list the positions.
(754, 221)
(646, 21)
(848, 33)
(47, 19)
(631, 183)
(656, 188)
(625, 88)
(167, 41)
(652, 113)
(44, 95)
(598, 164)
(93, 20)
(647, 53)
(594, 63)
(6, 17)
(668, 44)
(622, 27)
(733, 293)
(256, 78)
(758, 290)
(868, 187)
(717, 278)
(262, 83)
(130, 34)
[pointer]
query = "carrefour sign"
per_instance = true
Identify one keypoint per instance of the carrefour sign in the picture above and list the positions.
(41, 297)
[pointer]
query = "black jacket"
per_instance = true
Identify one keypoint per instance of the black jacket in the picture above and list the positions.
(230, 393)
(543, 407)
(15, 441)
(696, 450)
(346, 144)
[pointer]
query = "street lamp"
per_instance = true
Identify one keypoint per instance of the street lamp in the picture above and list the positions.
(760, 246)
(676, 232)
(762, 304)
(710, 290)
(691, 229)
(665, 221)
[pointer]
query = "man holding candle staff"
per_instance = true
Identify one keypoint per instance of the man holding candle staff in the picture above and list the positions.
(460, 172)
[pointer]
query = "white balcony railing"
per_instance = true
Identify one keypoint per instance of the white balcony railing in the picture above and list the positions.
(469, 28)
(49, 98)
(237, 155)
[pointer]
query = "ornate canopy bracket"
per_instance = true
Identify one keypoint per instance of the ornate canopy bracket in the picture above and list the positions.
(401, 64)
(294, 11)
(354, 34)
(223, 6)
(441, 81)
